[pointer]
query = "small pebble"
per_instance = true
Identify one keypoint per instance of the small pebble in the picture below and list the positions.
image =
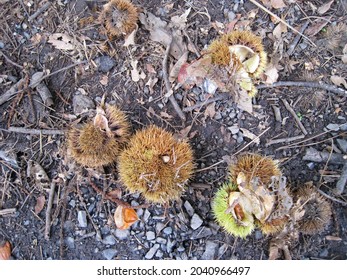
(104, 63)
(122, 234)
(70, 242)
(189, 208)
(167, 230)
(82, 103)
(109, 254)
(161, 240)
(109, 240)
(234, 129)
(146, 215)
(82, 218)
(210, 250)
(196, 221)
(150, 254)
(150, 235)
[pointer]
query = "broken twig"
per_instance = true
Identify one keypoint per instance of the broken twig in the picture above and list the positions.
(206, 102)
(284, 140)
(10, 61)
(332, 198)
(319, 85)
(49, 210)
(43, 8)
(35, 131)
(341, 183)
(296, 40)
(8, 211)
(292, 112)
(167, 83)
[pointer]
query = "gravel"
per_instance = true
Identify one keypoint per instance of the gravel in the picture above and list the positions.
(122, 234)
(82, 219)
(210, 251)
(82, 103)
(105, 63)
(189, 208)
(150, 235)
(150, 254)
(109, 254)
(109, 240)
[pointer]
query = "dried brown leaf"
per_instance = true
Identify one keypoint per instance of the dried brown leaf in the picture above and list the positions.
(244, 101)
(62, 41)
(130, 39)
(5, 250)
(177, 67)
(271, 74)
(278, 4)
(324, 8)
(42, 180)
(104, 80)
(316, 27)
(40, 203)
(338, 81)
(166, 115)
(210, 110)
(250, 135)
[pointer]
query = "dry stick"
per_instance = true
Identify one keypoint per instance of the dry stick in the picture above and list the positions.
(10, 61)
(341, 183)
(116, 200)
(167, 83)
(296, 40)
(313, 155)
(206, 102)
(35, 131)
(43, 8)
(292, 112)
(284, 140)
(277, 113)
(331, 198)
(319, 85)
(7, 211)
(49, 210)
(281, 20)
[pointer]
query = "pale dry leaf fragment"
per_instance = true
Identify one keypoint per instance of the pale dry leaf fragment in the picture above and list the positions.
(338, 81)
(42, 180)
(151, 83)
(135, 75)
(130, 39)
(244, 101)
(180, 21)
(278, 4)
(166, 115)
(62, 41)
(324, 8)
(278, 30)
(177, 67)
(333, 238)
(271, 74)
(104, 80)
(316, 27)
(40, 203)
(250, 135)
(210, 110)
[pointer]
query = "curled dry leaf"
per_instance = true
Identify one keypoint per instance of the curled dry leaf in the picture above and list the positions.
(62, 41)
(40, 203)
(337, 80)
(124, 217)
(324, 8)
(42, 180)
(5, 250)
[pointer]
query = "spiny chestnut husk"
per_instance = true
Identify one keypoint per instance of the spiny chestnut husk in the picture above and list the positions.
(156, 165)
(317, 211)
(272, 226)
(221, 210)
(119, 17)
(99, 142)
(254, 165)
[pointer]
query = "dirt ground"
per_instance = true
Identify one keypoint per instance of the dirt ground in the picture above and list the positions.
(88, 64)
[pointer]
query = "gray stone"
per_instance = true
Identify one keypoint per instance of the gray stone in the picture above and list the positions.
(324, 253)
(222, 249)
(109, 254)
(2, 45)
(159, 254)
(150, 235)
(72, 203)
(146, 215)
(82, 103)
(122, 234)
(239, 139)
(109, 240)
(234, 129)
(210, 250)
(161, 240)
(310, 165)
(196, 221)
(342, 144)
(189, 208)
(150, 254)
(218, 116)
(232, 115)
(105, 63)
(159, 227)
(169, 245)
(258, 235)
(167, 230)
(333, 126)
(139, 212)
(201, 233)
(82, 218)
(181, 249)
(70, 242)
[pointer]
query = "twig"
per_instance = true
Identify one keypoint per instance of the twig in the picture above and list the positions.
(341, 183)
(277, 113)
(8, 211)
(167, 83)
(16, 88)
(206, 102)
(319, 85)
(296, 40)
(195, 49)
(10, 61)
(331, 198)
(114, 199)
(292, 112)
(210, 167)
(43, 8)
(313, 155)
(326, 165)
(49, 210)
(35, 131)
(281, 20)
(284, 140)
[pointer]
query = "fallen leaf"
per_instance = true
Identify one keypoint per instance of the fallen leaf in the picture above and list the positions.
(324, 8)
(150, 69)
(104, 80)
(337, 80)
(116, 193)
(316, 27)
(271, 74)
(135, 74)
(180, 21)
(177, 67)
(40, 203)
(250, 135)
(42, 181)
(151, 83)
(244, 101)
(124, 217)
(278, 30)
(166, 115)
(210, 110)
(278, 4)
(130, 39)
(62, 41)
(5, 250)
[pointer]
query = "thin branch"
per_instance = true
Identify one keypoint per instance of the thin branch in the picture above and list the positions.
(284, 140)
(281, 20)
(292, 112)
(297, 38)
(10, 61)
(341, 183)
(49, 210)
(167, 83)
(8, 211)
(43, 8)
(319, 85)
(331, 198)
(34, 131)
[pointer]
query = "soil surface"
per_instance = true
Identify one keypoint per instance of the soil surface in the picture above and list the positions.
(82, 225)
